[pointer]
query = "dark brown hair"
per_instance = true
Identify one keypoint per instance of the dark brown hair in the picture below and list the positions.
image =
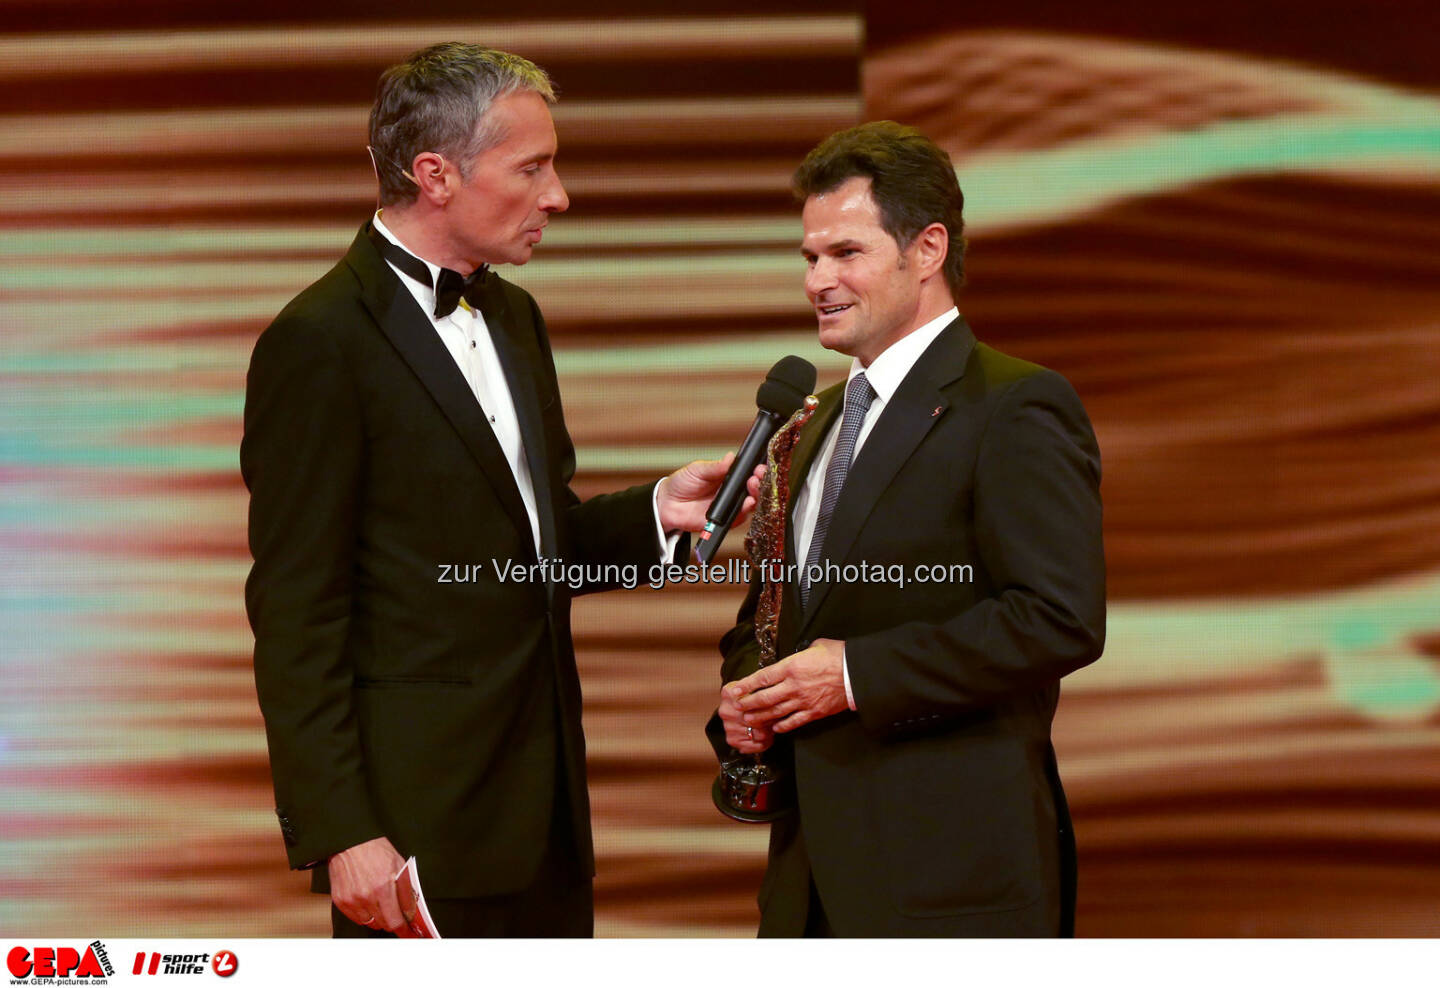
(911, 179)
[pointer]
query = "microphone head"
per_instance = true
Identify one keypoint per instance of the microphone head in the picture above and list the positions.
(785, 387)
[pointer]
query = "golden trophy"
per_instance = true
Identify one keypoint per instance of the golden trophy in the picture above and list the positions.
(749, 788)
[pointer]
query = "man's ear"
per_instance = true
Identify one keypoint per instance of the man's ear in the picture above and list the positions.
(431, 173)
(930, 248)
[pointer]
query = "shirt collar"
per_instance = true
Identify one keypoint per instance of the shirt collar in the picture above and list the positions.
(424, 293)
(892, 366)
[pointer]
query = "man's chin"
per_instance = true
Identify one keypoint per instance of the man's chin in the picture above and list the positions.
(836, 338)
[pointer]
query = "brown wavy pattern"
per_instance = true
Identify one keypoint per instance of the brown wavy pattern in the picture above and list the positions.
(998, 90)
(1259, 358)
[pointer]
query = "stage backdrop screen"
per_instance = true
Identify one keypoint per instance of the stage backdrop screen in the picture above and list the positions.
(1224, 230)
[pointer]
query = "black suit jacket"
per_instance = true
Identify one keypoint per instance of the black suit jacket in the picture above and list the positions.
(439, 710)
(935, 807)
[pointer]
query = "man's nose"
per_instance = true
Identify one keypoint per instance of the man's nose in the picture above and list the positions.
(554, 199)
(819, 277)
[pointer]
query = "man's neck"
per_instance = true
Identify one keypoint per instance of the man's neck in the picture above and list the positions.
(419, 233)
(933, 305)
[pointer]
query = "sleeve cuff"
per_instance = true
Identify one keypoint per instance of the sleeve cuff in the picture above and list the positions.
(845, 670)
(665, 542)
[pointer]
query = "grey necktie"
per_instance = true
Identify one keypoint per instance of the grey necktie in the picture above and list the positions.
(858, 396)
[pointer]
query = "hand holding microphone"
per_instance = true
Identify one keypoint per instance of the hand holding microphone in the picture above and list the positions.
(779, 397)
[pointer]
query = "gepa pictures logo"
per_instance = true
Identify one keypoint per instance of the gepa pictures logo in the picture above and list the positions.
(41, 965)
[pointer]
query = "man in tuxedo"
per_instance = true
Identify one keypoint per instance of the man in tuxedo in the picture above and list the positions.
(415, 537)
(946, 508)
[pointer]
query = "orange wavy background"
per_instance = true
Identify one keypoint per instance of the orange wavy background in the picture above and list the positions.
(1248, 311)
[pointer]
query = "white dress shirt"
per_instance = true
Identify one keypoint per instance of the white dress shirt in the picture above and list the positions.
(468, 339)
(884, 374)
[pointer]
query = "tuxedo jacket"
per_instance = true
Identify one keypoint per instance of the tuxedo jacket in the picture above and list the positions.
(407, 690)
(934, 808)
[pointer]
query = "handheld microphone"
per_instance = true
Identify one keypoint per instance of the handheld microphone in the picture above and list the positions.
(782, 394)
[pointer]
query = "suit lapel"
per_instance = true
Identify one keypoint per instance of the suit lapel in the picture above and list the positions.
(913, 410)
(414, 337)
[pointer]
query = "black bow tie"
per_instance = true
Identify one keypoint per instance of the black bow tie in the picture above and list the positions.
(449, 288)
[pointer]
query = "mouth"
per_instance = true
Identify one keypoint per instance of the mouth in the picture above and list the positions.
(830, 310)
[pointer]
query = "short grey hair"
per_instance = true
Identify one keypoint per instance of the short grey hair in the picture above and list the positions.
(436, 100)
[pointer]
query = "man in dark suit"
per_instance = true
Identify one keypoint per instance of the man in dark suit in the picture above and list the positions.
(946, 505)
(415, 538)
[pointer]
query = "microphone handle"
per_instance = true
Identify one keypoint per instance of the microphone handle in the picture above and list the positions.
(723, 509)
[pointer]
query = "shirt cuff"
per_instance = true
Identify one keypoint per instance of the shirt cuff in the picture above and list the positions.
(845, 669)
(665, 542)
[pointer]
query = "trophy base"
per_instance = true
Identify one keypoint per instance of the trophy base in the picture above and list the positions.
(751, 792)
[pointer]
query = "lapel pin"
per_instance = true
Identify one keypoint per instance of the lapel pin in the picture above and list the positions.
(938, 409)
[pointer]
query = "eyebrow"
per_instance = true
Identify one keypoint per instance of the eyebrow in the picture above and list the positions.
(836, 245)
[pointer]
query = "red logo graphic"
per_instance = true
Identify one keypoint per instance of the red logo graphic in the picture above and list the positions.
(225, 963)
(55, 962)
